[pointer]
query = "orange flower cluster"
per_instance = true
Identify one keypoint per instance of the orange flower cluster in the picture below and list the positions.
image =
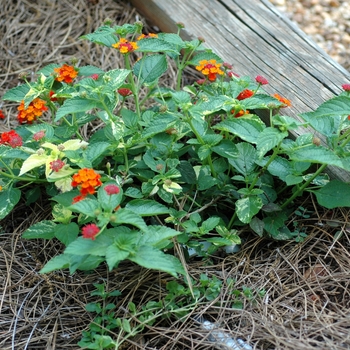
(125, 46)
(86, 180)
(144, 36)
(284, 100)
(210, 68)
(32, 112)
(66, 73)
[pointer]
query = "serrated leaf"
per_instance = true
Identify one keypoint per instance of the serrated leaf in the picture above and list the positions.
(17, 93)
(315, 154)
(126, 216)
(116, 77)
(243, 159)
(157, 45)
(147, 207)
(209, 224)
(8, 199)
(339, 105)
(83, 246)
(67, 233)
(104, 35)
(95, 150)
(159, 260)
(248, 129)
(335, 194)
(44, 229)
(205, 56)
(7, 152)
(86, 206)
(114, 255)
(150, 68)
(33, 161)
(268, 139)
(159, 123)
(247, 207)
(89, 70)
(75, 105)
(158, 236)
(59, 262)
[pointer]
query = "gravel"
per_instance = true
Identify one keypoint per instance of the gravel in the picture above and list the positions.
(327, 22)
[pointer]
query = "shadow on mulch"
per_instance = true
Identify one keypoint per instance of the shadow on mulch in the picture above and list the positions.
(306, 304)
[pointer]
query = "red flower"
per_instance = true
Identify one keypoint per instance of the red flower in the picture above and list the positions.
(2, 115)
(346, 87)
(261, 80)
(66, 73)
(94, 76)
(245, 94)
(11, 138)
(124, 92)
(90, 231)
(57, 165)
(201, 81)
(112, 189)
(227, 65)
(39, 135)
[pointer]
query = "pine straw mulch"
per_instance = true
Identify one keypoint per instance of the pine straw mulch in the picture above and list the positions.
(306, 305)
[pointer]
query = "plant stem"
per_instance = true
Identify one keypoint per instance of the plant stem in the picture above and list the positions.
(302, 188)
(200, 139)
(134, 88)
(22, 178)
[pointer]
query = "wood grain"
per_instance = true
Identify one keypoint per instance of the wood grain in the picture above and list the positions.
(258, 40)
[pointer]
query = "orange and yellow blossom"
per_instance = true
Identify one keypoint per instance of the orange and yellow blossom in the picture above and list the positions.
(125, 46)
(210, 68)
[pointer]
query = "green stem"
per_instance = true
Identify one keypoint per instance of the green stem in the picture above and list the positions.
(22, 178)
(302, 188)
(134, 88)
(200, 139)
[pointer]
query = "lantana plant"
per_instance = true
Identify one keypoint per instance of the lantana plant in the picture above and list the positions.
(163, 169)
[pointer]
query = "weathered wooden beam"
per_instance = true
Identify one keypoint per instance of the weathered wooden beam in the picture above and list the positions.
(258, 40)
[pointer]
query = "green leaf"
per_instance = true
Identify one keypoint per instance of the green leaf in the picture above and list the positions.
(158, 236)
(157, 45)
(86, 206)
(259, 101)
(315, 154)
(75, 105)
(247, 207)
(248, 129)
(209, 224)
(268, 139)
(257, 226)
(59, 262)
(89, 70)
(205, 56)
(109, 202)
(95, 150)
(335, 194)
(67, 233)
(188, 175)
(150, 68)
(49, 130)
(147, 207)
(8, 199)
(273, 225)
(339, 105)
(114, 255)
(17, 93)
(244, 158)
(104, 35)
(116, 77)
(159, 123)
(155, 259)
(7, 152)
(84, 246)
(125, 216)
(44, 229)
